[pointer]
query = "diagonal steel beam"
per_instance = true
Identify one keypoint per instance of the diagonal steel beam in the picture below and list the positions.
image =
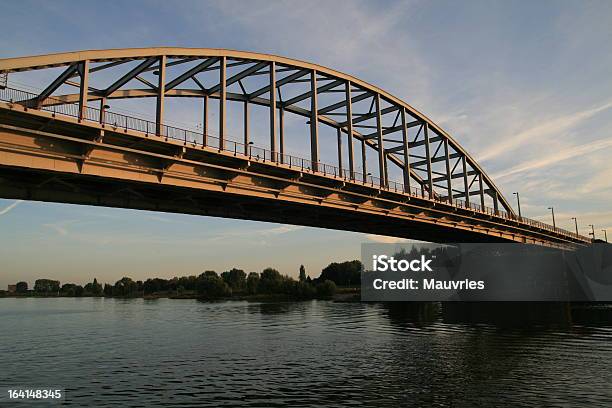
(191, 72)
(130, 75)
(396, 128)
(306, 95)
(57, 83)
(340, 104)
(282, 81)
(367, 116)
(242, 74)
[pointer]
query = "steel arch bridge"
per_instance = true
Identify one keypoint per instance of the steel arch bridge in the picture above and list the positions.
(64, 144)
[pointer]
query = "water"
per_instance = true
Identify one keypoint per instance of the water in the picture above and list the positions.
(109, 352)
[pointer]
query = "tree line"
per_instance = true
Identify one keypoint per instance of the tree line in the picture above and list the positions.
(211, 285)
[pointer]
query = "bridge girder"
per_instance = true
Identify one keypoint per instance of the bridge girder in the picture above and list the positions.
(281, 72)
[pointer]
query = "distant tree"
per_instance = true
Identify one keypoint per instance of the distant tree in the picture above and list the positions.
(108, 290)
(326, 289)
(270, 281)
(68, 289)
(252, 283)
(125, 287)
(78, 290)
(46, 286)
(21, 287)
(236, 279)
(302, 273)
(93, 288)
(342, 274)
(211, 286)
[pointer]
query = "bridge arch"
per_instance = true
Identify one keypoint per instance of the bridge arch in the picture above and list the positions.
(389, 129)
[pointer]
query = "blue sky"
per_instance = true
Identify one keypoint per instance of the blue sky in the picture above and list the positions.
(524, 86)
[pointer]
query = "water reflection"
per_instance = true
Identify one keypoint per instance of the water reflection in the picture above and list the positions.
(109, 352)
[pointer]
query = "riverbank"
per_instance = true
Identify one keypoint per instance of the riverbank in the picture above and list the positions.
(342, 294)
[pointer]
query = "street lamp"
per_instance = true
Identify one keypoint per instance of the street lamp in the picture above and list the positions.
(605, 235)
(553, 216)
(592, 231)
(518, 201)
(576, 222)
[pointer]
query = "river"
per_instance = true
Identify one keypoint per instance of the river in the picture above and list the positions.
(112, 352)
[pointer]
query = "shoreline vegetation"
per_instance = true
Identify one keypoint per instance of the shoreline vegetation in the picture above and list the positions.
(338, 281)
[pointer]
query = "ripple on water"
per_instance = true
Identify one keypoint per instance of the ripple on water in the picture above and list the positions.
(107, 352)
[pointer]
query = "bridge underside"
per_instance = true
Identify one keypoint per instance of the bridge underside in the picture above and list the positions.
(46, 158)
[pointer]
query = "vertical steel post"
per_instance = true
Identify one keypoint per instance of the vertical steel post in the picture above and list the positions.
(314, 122)
(222, 100)
(339, 132)
(161, 93)
(273, 110)
(406, 152)
(83, 88)
(465, 181)
(103, 110)
(281, 133)
(363, 160)
(246, 128)
(449, 176)
(495, 203)
(428, 157)
(349, 129)
(381, 147)
(205, 121)
(482, 199)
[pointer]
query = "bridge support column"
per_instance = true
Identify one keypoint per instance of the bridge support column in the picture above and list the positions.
(428, 157)
(273, 111)
(363, 161)
(161, 84)
(449, 176)
(83, 88)
(339, 132)
(281, 133)
(482, 198)
(314, 122)
(381, 147)
(406, 152)
(205, 121)
(349, 129)
(222, 100)
(465, 182)
(247, 149)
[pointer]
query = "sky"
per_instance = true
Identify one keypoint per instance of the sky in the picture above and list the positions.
(524, 87)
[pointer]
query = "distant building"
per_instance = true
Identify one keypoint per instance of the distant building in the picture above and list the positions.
(12, 288)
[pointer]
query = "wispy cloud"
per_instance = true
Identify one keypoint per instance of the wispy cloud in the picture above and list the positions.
(556, 157)
(551, 128)
(10, 207)
(386, 240)
(60, 227)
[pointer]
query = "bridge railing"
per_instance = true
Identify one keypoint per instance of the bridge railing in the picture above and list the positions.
(120, 121)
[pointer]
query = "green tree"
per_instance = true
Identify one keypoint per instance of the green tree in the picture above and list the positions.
(326, 289)
(236, 279)
(125, 287)
(342, 274)
(212, 286)
(46, 286)
(302, 273)
(21, 287)
(252, 283)
(270, 281)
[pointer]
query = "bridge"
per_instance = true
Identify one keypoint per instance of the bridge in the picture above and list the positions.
(393, 171)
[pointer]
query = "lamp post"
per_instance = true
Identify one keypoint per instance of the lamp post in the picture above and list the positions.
(518, 202)
(553, 216)
(605, 235)
(592, 231)
(576, 223)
